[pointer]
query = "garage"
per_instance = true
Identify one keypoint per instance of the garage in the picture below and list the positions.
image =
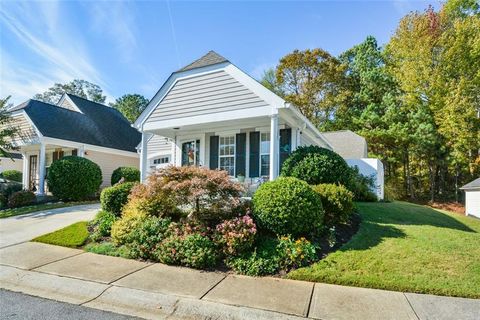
(472, 198)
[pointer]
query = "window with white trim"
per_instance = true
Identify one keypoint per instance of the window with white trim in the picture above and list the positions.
(161, 160)
(264, 153)
(226, 154)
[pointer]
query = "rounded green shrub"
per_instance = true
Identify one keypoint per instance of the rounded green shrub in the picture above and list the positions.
(74, 178)
(114, 198)
(102, 224)
(129, 174)
(337, 202)
(13, 175)
(146, 236)
(288, 206)
(316, 165)
(21, 199)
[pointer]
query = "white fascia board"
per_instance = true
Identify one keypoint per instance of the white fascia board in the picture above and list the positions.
(168, 85)
(308, 124)
(209, 118)
(256, 87)
(66, 97)
(24, 113)
(73, 144)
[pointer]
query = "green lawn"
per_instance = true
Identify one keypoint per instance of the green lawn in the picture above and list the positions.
(39, 207)
(74, 235)
(406, 247)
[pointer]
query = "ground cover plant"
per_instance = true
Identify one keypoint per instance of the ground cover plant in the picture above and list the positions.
(74, 235)
(406, 247)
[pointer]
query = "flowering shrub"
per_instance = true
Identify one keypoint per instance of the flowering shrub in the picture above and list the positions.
(145, 237)
(237, 235)
(122, 228)
(295, 253)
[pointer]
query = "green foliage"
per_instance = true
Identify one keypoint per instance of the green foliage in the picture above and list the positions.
(288, 206)
(362, 186)
(21, 199)
(74, 235)
(81, 88)
(316, 165)
(108, 249)
(8, 130)
(74, 178)
(129, 174)
(102, 225)
(122, 228)
(13, 175)
(236, 235)
(337, 201)
(295, 253)
(191, 250)
(146, 236)
(114, 198)
(130, 105)
(8, 188)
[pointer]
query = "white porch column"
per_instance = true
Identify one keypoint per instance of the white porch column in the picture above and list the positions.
(274, 144)
(81, 152)
(25, 173)
(41, 170)
(143, 158)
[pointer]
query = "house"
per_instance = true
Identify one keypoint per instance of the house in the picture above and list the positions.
(211, 113)
(74, 126)
(14, 162)
(354, 149)
(472, 198)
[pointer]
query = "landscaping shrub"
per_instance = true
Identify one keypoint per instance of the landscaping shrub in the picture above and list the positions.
(129, 174)
(109, 249)
(7, 189)
(74, 178)
(337, 201)
(21, 199)
(288, 206)
(145, 237)
(316, 165)
(295, 253)
(102, 225)
(122, 228)
(191, 250)
(13, 175)
(361, 186)
(237, 235)
(114, 198)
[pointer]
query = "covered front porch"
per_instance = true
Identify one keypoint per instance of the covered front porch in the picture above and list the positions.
(249, 148)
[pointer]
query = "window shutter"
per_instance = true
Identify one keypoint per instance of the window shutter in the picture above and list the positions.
(214, 152)
(254, 157)
(240, 154)
(285, 145)
(54, 156)
(74, 152)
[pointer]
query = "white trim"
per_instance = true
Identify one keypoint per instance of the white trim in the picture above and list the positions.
(274, 147)
(230, 155)
(267, 132)
(65, 96)
(41, 169)
(24, 113)
(227, 132)
(73, 144)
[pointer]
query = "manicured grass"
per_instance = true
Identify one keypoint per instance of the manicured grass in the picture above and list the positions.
(39, 207)
(74, 235)
(406, 247)
(107, 248)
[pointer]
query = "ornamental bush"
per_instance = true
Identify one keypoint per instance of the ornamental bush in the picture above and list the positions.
(74, 178)
(21, 199)
(236, 236)
(114, 198)
(122, 228)
(316, 165)
(129, 174)
(288, 205)
(13, 175)
(146, 236)
(102, 225)
(337, 202)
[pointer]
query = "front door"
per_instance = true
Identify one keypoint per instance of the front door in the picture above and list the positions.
(32, 177)
(191, 153)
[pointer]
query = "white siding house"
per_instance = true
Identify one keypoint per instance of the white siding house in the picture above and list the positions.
(210, 113)
(472, 198)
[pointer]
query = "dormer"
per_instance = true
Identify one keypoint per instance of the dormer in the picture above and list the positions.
(67, 103)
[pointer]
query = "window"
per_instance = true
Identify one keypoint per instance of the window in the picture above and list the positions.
(264, 153)
(162, 160)
(227, 154)
(191, 153)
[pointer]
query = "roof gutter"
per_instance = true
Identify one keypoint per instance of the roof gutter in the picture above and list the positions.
(307, 123)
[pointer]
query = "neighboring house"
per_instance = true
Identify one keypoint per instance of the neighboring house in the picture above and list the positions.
(472, 198)
(354, 149)
(74, 126)
(211, 113)
(15, 162)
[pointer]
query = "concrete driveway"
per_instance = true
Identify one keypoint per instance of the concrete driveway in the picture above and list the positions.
(25, 227)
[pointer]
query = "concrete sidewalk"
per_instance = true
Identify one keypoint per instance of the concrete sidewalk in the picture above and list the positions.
(157, 291)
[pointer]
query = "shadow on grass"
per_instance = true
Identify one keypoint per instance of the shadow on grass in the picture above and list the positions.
(404, 213)
(372, 234)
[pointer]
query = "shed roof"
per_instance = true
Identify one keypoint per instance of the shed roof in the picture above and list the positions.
(475, 184)
(347, 144)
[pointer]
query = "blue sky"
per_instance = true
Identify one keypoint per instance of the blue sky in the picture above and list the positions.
(132, 47)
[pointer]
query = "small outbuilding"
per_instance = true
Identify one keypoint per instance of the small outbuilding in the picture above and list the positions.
(472, 198)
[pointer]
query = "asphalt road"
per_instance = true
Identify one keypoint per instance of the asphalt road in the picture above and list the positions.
(14, 305)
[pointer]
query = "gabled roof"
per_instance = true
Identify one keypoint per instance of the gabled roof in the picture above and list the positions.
(209, 59)
(347, 144)
(475, 184)
(97, 124)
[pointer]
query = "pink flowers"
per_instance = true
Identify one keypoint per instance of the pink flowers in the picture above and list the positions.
(236, 235)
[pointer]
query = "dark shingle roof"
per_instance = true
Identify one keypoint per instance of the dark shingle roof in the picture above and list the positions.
(97, 124)
(209, 59)
(475, 184)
